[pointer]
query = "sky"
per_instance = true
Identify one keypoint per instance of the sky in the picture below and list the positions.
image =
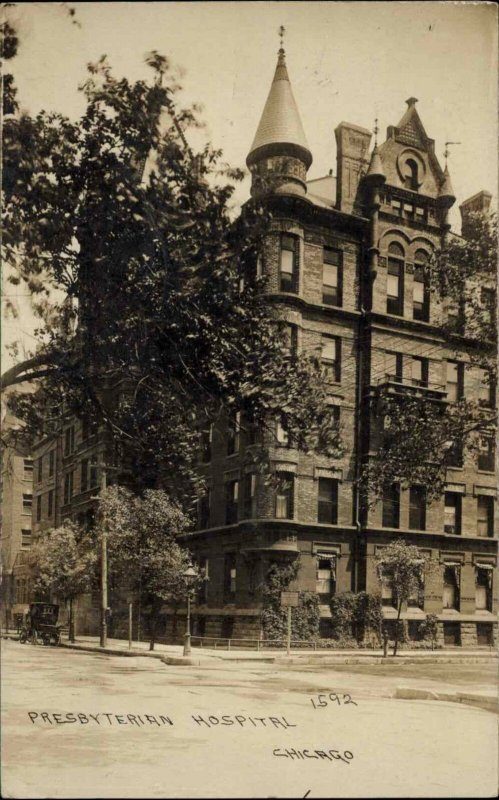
(348, 61)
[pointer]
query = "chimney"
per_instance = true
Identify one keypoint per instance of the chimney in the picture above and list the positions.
(352, 157)
(478, 204)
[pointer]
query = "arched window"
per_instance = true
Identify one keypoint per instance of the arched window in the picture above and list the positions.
(411, 175)
(421, 295)
(395, 280)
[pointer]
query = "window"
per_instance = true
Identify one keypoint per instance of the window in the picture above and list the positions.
(452, 634)
(233, 429)
(451, 586)
(486, 455)
(483, 588)
(332, 277)
(411, 175)
(419, 371)
(28, 469)
(290, 333)
(281, 434)
(395, 280)
(391, 506)
(387, 598)
(84, 475)
(331, 357)
(94, 472)
(259, 267)
(230, 576)
(25, 537)
(51, 463)
(325, 585)
(488, 298)
(486, 393)
(50, 504)
(204, 570)
(38, 508)
(485, 516)
(284, 502)
(204, 509)
(231, 502)
(288, 273)
(328, 501)
(421, 292)
(39, 471)
(206, 442)
(484, 634)
(69, 440)
(393, 366)
(454, 381)
(68, 487)
(249, 496)
(454, 454)
(417, 508)
(27, 503)
(452, 513)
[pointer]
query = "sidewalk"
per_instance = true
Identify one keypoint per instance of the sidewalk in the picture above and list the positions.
(173, 653)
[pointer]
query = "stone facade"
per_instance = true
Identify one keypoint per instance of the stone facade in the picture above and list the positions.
(400, 203)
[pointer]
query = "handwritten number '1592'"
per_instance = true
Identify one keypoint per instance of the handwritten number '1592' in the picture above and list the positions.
(324, 700)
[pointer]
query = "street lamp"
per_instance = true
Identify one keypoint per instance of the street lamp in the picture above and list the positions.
(189, 576)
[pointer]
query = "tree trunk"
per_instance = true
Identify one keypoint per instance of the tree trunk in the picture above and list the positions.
(71, 634)
(397, 628)
(153, 624)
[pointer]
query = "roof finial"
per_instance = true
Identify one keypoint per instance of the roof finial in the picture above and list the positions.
(282, 31)
(375, 131)
(447, 151)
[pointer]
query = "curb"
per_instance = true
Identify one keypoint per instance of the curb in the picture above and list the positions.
(487, 702)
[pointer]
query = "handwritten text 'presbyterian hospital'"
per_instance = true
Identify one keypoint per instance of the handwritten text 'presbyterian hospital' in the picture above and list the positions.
(158, 720)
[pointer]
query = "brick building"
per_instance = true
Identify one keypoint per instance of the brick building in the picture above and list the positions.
(345, 262)
(16, 500)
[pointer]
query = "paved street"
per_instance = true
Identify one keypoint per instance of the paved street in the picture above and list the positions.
(83, 725)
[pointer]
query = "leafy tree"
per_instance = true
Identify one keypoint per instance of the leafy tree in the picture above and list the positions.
(152, 319)
(63, 566)
(405, 567)
(304, 618)
(429, 629)
(144, 555)
(421, 434)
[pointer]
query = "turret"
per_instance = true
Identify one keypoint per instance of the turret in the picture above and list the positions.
(279, 156)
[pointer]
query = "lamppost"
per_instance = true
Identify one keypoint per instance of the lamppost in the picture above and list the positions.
(189, 576)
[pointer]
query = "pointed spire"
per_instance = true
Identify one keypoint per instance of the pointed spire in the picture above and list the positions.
(375, 173)
(280, 129)
(446, 191)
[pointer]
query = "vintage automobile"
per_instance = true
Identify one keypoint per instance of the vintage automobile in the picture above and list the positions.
(41, 625)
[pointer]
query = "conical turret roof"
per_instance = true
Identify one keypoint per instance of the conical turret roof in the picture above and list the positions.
(280, 123)
(375, 171)
(446, 190)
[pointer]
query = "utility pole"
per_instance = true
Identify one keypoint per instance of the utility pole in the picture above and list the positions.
(103, 610)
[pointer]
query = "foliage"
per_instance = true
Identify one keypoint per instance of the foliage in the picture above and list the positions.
(356, 616)
(419, 436)
(63, 565)
(405, 566)
(429, 628)
(458, 273)
(152, 319)
(143, 553)
(304, 618)
(64, 561)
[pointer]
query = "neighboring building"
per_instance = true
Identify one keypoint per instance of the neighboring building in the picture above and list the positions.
(345, 260)
(16, 500)
(66, 480)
